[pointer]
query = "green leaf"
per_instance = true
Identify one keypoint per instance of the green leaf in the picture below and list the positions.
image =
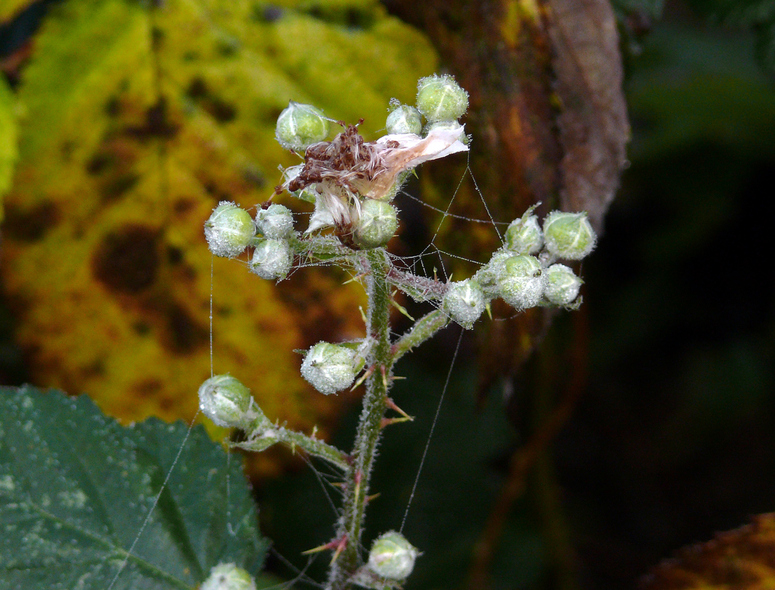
(77, 488)
(8, 151)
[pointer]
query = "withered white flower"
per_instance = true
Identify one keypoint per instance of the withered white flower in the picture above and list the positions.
(342, 172)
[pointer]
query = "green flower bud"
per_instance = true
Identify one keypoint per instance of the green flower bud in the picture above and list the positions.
(569, 235)
(562, 285)
(521, 282)
(272, 259)
(275, 222)
(329, 367)
(524, 235)
(227, 576)
(392, 556)
(225, 401)
(301, 125)
(377, 223)
(464, 302)
(440, 98)
(403, 119)
(229, 230)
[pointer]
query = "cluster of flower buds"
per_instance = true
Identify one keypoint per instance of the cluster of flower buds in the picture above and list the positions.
(351, 182)
(524, 272)
(230, 231)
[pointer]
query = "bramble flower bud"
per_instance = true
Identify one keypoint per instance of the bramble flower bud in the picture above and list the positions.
(227, 576)
(329, 368)
(392, 556)
(464, 302)
(562, 284)
(377, 223)
(569, 235)
(229, 230)
(524, 235)
(440, 98)
(521, 281)
(403, 119)
(272, 259)
(301, 125)
(225, 401)
(275, 222)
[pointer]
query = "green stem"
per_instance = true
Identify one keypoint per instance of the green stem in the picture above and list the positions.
(357, 478)
(423, 329)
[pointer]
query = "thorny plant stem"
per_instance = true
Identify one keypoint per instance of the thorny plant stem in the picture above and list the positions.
(357, 478)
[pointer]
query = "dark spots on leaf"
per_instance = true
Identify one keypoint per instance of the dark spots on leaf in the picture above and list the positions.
(156, 124)
(113, 106)
(221, 110)
(197, 88)
(93, 369)
(118, 186)
(183, 206)
(227, 47)
(266, 14)
(351, 18)
(32, 224)
(157, 37)
(99, 162)
(147, 388)
(174, 255)
(184, 334)
(127, 261)
(141, 328)
(190, 56)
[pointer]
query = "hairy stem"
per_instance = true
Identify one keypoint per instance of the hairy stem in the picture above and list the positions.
(357, 478)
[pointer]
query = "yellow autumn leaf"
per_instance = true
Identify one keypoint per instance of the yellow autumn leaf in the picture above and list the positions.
(136, 123)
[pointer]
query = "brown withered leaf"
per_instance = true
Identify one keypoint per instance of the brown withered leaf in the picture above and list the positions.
(742, 559)
(593, 124)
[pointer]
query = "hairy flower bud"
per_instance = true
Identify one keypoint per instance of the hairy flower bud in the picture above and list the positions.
(330, 368)
(229, 230)
(272, 259)
(377, 223)
(521, 281)
(225, 401)
(301, 125)
(440, 98)
(392, 556)
(562, 284)
(569, 235)
(524, 235)
(403, 119)
(276, 221)
(464, 302)
(227, 576)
